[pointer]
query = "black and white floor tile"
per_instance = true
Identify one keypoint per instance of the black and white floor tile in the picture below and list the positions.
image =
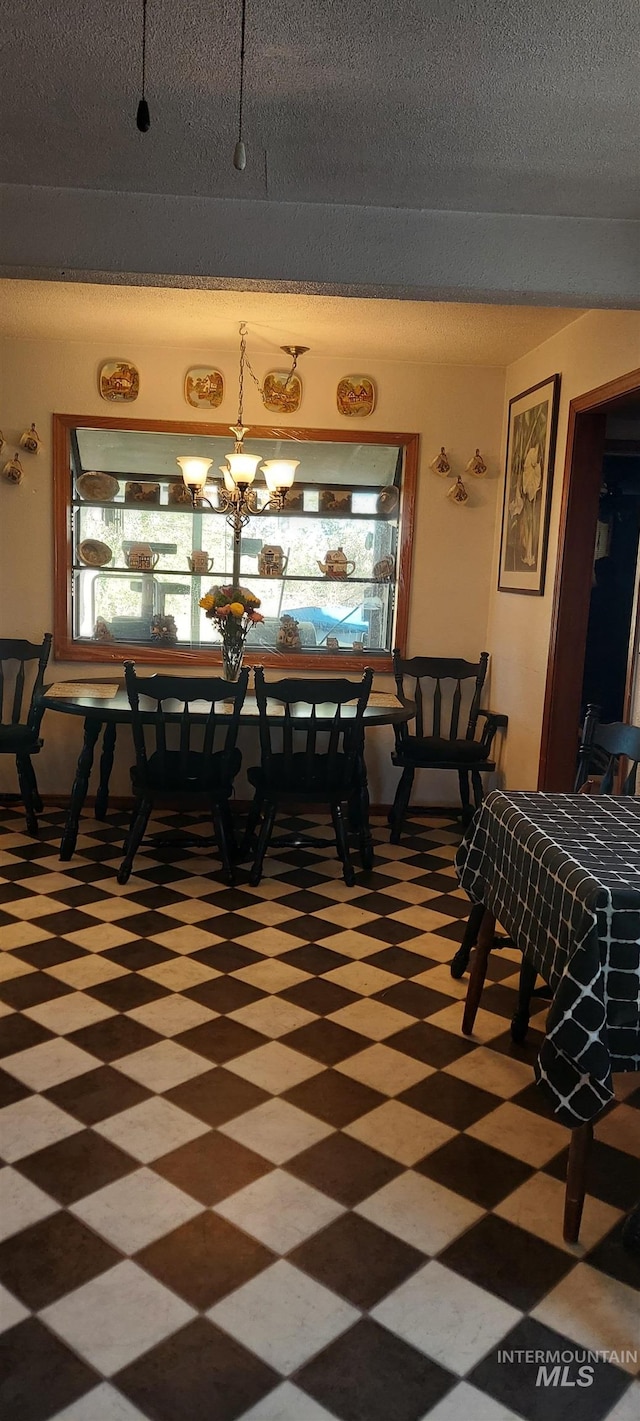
(250, 1166)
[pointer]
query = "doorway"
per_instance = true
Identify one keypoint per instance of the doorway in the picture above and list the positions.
(607, 662)
(581, 506)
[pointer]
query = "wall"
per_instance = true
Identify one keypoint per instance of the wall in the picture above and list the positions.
(456, 406)
(596, 348)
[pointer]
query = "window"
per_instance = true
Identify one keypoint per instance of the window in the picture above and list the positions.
(337, 559)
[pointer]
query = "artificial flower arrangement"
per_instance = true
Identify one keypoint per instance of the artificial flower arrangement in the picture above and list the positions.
(233, 610)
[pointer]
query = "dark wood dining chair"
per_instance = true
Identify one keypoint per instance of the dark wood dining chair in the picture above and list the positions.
(315, 759)
(20, 733)
(206, 771)
(450, 690)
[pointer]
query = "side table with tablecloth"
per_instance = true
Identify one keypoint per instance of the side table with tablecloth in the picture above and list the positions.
(562, 874)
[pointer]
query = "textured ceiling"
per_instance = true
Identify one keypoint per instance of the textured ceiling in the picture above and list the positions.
(431, 332)
(470, 105)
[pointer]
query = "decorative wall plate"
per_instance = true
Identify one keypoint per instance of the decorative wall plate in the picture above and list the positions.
(356, 395)
(93, 553)
(119, 381)
(387, 501)
(204, 387)
(97, 488)
(280, 394)
(136, 492)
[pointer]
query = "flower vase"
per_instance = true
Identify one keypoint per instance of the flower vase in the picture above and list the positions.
(232, 654)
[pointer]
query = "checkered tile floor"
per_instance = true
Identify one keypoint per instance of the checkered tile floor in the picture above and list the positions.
(251, 1167)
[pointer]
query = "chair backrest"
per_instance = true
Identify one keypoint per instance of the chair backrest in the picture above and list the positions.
(602, 747)
(448, 686)
(14, 656)
(326, 715)
(173, 699)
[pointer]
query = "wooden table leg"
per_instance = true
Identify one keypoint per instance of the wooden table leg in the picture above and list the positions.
(106, 766)
(579, 1151)
(478, 971)
(92, 730)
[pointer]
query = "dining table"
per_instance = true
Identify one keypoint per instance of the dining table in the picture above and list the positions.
(561, 873)
(103, 706)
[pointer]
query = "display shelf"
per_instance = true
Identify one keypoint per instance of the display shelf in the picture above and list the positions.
(254, 576)
(220, 513)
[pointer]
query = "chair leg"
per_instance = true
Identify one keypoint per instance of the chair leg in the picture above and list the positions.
(478, 971)
(460, 961)
(253, 820)
(465, 799)
(37, 801)
(134, 839)
(342, 843)
(26, 782)
(520, 1021)
(579, 1151)
(478, 789)
(401, 803)
(224, 837)
(264, 836)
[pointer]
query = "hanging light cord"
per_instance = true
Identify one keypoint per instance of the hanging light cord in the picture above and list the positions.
(240, 152)
(143, 117)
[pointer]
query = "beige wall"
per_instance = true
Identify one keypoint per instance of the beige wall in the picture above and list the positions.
(594, 349)
(460, 407)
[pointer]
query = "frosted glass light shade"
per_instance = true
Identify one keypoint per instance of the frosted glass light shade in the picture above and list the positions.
(194, 471)
(242, 467)
(227, 479)
(279, 473)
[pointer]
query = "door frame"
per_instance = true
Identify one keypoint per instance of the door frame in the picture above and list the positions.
(574, 570)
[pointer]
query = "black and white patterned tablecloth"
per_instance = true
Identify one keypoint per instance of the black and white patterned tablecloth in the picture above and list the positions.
(561, 873)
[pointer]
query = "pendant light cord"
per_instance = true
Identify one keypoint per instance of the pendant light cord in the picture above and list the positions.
(240, 154)
(143, 118)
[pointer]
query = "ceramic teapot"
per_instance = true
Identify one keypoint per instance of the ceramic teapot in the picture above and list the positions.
(336, 565)
(272, 562)
(200, 561)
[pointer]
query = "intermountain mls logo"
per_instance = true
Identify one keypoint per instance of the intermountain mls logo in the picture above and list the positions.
(570, 1367)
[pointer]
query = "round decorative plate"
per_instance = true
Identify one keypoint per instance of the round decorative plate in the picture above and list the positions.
(387, 501)
(93, 553)
(97, 488)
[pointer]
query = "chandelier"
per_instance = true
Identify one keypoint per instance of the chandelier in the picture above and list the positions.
(236, 498)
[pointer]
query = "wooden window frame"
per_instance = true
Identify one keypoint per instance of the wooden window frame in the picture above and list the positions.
(67, 649)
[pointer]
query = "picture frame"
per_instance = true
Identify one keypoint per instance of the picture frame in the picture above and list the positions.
(335, 500)
(531, 444)
(137, 491)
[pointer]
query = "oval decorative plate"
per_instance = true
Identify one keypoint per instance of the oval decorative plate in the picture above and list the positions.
(93, 553)
(97, 488)
(119, 381)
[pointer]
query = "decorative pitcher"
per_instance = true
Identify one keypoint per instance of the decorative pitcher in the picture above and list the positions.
(272, 562)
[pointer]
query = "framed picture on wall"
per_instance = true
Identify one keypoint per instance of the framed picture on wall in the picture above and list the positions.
(531, 442)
